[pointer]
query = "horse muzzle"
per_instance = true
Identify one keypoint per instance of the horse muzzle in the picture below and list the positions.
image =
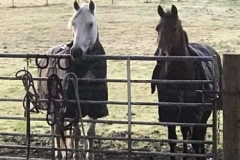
(76, 54)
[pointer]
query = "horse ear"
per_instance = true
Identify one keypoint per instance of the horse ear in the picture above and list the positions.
(174, 10)
(160, 11)
(76, 5)
(91, 6)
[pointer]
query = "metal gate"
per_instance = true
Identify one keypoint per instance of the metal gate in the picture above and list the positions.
(27, 148)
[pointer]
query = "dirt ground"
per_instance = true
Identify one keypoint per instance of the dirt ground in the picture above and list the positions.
(101, 145)
(126, 27)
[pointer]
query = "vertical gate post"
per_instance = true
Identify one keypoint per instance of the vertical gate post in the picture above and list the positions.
(28, 128)
(129, 108)
(231, 106)
(13, 3)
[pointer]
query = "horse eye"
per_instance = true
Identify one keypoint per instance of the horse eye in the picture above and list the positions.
(90, 24)
(174, 29)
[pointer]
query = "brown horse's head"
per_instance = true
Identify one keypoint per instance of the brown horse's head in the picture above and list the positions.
(171, 37)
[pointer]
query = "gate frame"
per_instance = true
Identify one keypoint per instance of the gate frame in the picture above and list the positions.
(129, 103)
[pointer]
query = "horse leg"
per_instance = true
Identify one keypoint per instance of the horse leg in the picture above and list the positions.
(77, 134)
(172, 135)
(196, 136)
(203, 131)
(56, 131)
(185, 131)
(91, 132)
(65, 154)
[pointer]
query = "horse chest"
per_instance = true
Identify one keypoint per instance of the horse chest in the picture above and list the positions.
(182, 71)
(89, 74)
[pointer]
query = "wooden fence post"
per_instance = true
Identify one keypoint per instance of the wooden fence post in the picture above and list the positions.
(231, 106)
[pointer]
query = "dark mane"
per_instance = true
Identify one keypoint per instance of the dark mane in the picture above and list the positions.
(186, 37)
(169, 14)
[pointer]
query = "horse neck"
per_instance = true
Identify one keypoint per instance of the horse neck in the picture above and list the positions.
(181, 49)
(74, 66)
(97, 42)
(182, 70)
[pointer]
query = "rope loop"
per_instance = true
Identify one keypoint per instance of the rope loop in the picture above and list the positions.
(38, 63)
(59, 63)
(30, 89)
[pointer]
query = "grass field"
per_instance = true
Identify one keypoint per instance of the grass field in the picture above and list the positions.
(126, 27)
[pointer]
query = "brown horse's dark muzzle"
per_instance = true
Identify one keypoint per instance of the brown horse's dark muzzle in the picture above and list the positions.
(76, 53)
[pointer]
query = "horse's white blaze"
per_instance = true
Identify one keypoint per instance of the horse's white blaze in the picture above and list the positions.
(162, 52)
(84, 26)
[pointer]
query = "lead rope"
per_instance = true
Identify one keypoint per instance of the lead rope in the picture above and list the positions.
(29, 97)
(28, 84)
(55, 91)
(219, 123)
(72, 76)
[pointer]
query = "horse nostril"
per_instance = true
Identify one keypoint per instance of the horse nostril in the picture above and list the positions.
(76, 53)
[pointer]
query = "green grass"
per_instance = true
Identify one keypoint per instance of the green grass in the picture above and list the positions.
(126, 27)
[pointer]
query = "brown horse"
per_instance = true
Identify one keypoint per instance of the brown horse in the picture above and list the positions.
(173, 41)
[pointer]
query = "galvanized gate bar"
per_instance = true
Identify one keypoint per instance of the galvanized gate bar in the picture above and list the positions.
(123, 80)
(28, 125)
(20, 158)
(118, 102)
(214, 110)
(107, 151)
(129, 103)
(27, 112)
(146, 153)
(52, 140)
(116, 122)
(129, 94)
(122, 139)
(112, 57)
(118, 152)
